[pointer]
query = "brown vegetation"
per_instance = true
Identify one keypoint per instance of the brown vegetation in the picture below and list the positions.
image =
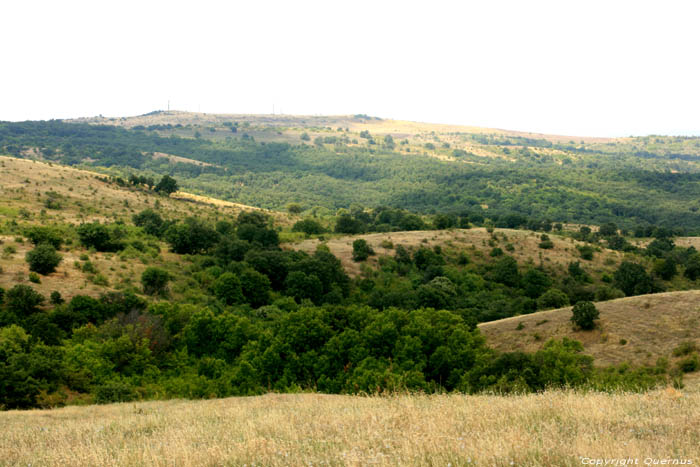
(551, 428)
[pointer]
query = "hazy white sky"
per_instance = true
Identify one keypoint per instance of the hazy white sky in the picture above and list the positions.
(567, 67)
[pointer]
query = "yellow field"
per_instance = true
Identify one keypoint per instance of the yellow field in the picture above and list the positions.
(651, 326)
(525, 244)
(549, 429)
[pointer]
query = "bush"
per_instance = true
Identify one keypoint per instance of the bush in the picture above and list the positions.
(361, 250)
(227, 288)
(56, 298)
(632, 279)
(43, 259)
(584, 315)
(309, 227)
(552, 298)
(23, 300)
(155, 281)
(689, 364)
(38, 235)
(34, 277)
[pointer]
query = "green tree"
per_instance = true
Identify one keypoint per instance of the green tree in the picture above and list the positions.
(23, 300)
(43, 259)
(255, 287)
(192, 236)
(584, 315)
(167, 185)
(632, 279)
(552, 298)
(155, 281)
(227, 288)
(361, 250)
(309, 227)
(40, 234)
(300, 285)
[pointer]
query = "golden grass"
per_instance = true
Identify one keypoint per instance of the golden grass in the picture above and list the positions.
(651, 325)
(552, 428)
(525, 244)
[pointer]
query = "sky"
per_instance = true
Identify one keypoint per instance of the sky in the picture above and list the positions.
(593, 68)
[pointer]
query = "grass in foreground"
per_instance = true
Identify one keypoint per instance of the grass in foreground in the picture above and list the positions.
(552, 428)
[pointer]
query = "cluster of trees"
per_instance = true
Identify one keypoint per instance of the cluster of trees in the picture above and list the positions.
(256, 318)
(119, 348)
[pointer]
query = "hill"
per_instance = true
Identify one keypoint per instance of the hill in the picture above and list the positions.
(314, 429)
(637, 330)
(476, 241)
(43, 193)
(337, 162)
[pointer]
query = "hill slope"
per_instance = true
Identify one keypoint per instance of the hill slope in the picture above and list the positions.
(313, 429)
(651, 326)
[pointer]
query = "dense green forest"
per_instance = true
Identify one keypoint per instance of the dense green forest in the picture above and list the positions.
(643, 181)
(234, 314)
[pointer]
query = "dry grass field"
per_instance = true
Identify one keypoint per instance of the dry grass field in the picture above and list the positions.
(637, 330)
(525, 244)
(548, 429)
(84, 196)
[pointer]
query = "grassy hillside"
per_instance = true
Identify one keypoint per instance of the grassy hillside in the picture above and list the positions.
(637, 330)
(335, 162)
(477, 241)
(551, 428)
(47, 194)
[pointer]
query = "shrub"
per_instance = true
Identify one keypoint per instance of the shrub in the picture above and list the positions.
(685, 348)
(155, 281)
(361, 250)
(43, 259)
(23, 300)
(309, 227)
(584, 315)
(227, 288)
(689, 364)
(56, 298)
(552, 298)
(39, 234)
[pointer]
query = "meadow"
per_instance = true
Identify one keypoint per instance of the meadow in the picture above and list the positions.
(563, 428)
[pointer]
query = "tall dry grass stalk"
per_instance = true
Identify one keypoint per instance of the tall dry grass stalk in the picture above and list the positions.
(552, 428)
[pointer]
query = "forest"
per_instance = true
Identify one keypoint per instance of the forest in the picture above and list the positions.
(643, 181)
(233, 313)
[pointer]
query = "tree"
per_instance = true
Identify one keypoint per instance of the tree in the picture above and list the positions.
(584, 315)
(309, 227)
(294, 208)
(155, 281)
(692, 267)
(97, 236)
(361, 250)
(227, 288)
(23, 300)
(300, 285)
(192, 236)
(255, 287)
(39, 234)
(535, 283)
(167, 185)
(552, 298)
(505, 271)
(608, 229)
(43, 259)
(150, 221)
(632, 279)
(346, 224)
